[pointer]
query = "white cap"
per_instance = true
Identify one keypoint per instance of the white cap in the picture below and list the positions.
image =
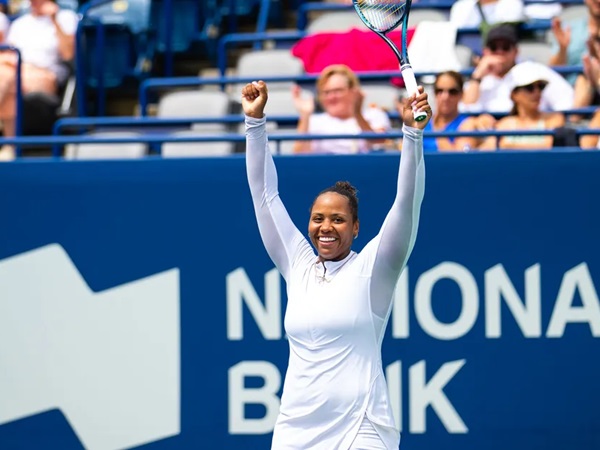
(525, 73)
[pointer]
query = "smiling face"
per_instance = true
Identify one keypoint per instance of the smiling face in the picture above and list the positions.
(331, 226)
(337, 93)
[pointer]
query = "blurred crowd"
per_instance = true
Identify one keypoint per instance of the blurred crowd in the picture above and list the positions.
(501, 104)
(44, 34)
(503, 93)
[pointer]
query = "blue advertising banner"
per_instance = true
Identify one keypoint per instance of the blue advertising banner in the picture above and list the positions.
(139, 309)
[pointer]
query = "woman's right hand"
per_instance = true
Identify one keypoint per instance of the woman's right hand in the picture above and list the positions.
(305, 106)
(562, 35)
(254, 99)
(416, 102)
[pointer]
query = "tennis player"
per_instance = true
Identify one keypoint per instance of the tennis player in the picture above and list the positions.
(335, 396)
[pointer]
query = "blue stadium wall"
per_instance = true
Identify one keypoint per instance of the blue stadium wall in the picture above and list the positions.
(138, 308)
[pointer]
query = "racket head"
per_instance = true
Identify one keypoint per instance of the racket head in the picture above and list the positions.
(382, 16)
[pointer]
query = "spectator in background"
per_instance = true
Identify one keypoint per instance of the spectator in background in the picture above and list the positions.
(490, 86)
(339, 94)
(526, 86)
(474, 13)
(569, 39)
(587, 84)
(575, 43)
(448, 89)
(4, 21)
(591, 73)
(591, 141)
(45, 37)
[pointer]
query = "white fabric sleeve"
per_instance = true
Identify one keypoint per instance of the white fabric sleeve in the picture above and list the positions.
(280, 236)
(399, 230)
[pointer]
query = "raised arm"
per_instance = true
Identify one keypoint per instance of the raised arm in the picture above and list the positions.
(280, 237)
(399, 230)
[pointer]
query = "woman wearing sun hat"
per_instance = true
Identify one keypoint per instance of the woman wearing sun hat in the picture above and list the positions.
(527, 84)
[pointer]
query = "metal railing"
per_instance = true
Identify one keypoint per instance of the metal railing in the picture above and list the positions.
(277, 137)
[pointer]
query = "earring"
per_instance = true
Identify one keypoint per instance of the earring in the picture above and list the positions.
(356, 235)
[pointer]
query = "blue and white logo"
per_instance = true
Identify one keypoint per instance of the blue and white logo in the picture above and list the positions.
(110, 361)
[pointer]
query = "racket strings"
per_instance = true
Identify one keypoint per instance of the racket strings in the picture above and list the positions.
(382, 15)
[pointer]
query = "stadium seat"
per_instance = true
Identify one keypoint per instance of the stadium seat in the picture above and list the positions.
(92, 150)
(186, 15)
(538, 51)
(262, 63)
(383, 95)
(333, 21)
(464, 55)
(194, 28)
(282, 147)
(430, 14)
(195, 103)
(114, 46)
(281, 102)
(110, 59)
(196, 149)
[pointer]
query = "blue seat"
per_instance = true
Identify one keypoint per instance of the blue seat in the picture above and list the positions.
(135, 14)
(185, 25)
(266, 10)
(110, 59)
(114, 46)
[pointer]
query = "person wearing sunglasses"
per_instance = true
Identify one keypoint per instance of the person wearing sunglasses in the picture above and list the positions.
(448, 89)
(489, 89)
(527, 87)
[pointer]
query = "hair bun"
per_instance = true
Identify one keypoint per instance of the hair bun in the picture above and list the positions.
(346, 186)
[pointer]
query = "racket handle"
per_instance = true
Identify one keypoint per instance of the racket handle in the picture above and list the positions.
(411, 87)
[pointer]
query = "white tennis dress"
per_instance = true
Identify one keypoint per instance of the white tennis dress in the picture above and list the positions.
(337, 311)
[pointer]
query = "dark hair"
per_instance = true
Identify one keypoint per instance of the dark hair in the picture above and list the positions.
(457, 77)
(347, 190)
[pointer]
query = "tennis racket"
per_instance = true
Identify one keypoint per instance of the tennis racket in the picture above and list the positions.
(382, 16)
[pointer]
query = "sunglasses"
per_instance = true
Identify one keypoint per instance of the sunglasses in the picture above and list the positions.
(500, 46)
(538, 85)
(452, 91)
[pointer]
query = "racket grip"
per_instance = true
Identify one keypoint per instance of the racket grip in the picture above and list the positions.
(411, 87)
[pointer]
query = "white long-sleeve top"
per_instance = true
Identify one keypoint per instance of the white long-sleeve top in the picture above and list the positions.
(335, 318)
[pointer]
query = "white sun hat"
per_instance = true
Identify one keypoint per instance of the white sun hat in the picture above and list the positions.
(526, 73)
